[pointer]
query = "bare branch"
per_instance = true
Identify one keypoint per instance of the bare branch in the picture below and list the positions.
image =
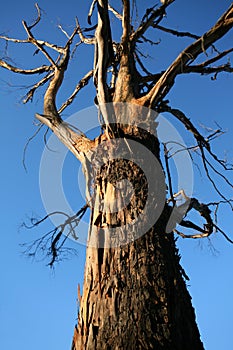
(224, 234)
(209, 70)
(103, 51)
(82, 37)
(203, 235)
(151, 42)
(27, 144)
(126, 22)
(190, 127)
(25, 41)
(40, 42)
(70, 40)
(38, 17)
(149, 20)
(204, 211)
(141, 64)
(30, 93)
(51, 244)
(193, 236)
(203, 144)
(203, 68)
(37, 70)
(127, 83)
(151, 77)
(215, 186)
(63, 30)
(38, 45)
(115, 12)
(175, 32)
(214, 59)
(180, 34)
(165, 83)
(168, 174)
(78, 144)
(187, 123)
(91, 11)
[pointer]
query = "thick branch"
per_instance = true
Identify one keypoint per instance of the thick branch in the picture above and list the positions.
(165, 83)
(78, 144)
(126, 22)
(103, 51)
(127, 85)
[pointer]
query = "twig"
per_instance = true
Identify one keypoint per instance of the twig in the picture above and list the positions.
(38, 17)
(91, 11)
(50, 244)
(168, 173)
(27, 144)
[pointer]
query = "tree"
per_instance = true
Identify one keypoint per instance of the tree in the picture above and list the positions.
(134, 293)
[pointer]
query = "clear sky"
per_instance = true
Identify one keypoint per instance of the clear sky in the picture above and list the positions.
(38, 306)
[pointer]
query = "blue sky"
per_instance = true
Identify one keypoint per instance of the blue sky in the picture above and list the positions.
(37, 305)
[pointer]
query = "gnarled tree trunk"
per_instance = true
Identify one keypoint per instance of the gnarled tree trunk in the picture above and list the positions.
(134, 293)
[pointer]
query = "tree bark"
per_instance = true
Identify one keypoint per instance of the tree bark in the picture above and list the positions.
(134, 295)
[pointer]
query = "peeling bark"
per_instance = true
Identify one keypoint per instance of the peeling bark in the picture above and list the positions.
(134, 295)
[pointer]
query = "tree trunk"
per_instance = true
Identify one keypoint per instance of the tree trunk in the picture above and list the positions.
(134, 294)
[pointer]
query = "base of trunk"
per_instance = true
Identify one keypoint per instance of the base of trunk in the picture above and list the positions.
(136, 298)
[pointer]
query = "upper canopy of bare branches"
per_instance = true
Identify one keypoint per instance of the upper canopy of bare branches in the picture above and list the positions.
(120, 74)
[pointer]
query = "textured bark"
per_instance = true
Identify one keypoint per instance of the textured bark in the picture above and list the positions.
(134, 296)
(136, 299)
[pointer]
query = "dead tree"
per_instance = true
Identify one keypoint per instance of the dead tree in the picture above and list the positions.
(134, 294)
